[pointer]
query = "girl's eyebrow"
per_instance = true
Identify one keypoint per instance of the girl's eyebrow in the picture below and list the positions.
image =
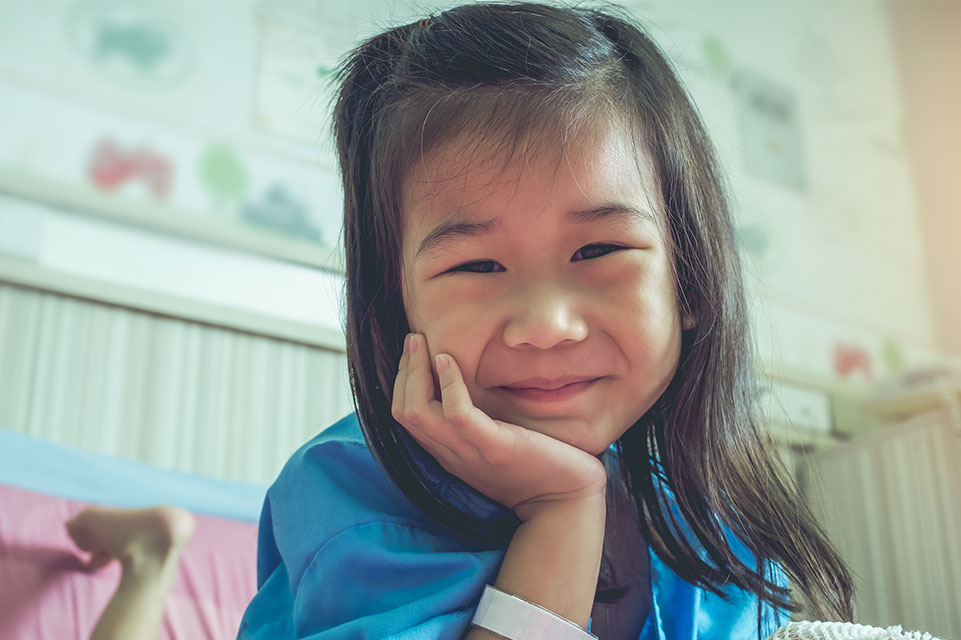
(617, 211)
(449, 229)
(446, 231)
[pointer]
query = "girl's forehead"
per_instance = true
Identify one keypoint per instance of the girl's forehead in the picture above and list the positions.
(606, 163)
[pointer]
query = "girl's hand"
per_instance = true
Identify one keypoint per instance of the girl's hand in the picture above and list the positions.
(520, 468)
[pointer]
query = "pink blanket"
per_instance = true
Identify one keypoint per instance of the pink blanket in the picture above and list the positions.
(45, 591)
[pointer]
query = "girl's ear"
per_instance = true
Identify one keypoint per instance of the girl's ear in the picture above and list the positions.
(687, 321)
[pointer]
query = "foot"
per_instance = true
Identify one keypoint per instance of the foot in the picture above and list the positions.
(150, 537)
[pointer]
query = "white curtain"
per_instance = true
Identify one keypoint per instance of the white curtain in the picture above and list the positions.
(891, 500)
(160, 390)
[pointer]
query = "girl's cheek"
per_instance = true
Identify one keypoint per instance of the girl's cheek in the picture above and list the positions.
(452, 313)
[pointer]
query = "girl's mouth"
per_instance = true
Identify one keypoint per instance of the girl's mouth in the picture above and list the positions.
(550, 394)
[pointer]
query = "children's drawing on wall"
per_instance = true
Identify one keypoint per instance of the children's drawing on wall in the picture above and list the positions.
(716, 56)
(112, 166)
(131, 44)
(279, 211)
(893, 355)
(755, 241)
(222, 175)
(852, 361)
(299, 49)
(770, 129)
(227, 180)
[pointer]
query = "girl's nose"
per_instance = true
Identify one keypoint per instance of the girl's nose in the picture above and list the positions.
(543, 320)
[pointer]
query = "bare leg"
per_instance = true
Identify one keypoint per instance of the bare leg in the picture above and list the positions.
(147, 542)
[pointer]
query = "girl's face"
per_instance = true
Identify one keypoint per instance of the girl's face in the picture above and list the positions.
(550, 283)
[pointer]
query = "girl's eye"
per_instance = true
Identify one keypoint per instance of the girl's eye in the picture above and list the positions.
(482, 266)
(595, 251)
(589, 252)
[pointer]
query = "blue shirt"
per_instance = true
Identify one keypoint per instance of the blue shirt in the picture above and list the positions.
(343, 554)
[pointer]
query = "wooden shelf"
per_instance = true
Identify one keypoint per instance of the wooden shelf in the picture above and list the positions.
(896, 408)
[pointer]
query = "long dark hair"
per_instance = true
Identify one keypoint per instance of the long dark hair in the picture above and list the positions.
(504, 73)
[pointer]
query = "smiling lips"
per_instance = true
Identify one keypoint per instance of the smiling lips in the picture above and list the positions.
(550, 390)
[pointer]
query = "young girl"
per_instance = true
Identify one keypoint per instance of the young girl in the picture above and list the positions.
(548, 349)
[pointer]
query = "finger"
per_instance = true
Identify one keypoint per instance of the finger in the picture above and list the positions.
(400, 383)
(455, 398)
(421, 404)
(493, 439)
(459, 409)
(399, 403)
(414, 405)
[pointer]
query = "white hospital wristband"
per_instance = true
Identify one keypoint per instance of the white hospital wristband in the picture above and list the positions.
(515, 619)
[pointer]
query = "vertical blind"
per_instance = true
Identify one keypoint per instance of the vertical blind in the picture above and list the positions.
(891, 500)
(160, 390)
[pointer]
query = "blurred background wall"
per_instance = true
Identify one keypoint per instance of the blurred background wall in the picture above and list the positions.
(170, 287)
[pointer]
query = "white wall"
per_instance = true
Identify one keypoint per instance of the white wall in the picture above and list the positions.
(837, 264)
(834, 254)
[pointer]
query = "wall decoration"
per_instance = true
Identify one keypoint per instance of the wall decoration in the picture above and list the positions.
(300, 45)
(222, 174)
(799, 99)
(110, 162)
(716, 56)
(847, 66)
(893, 355)
(770, 129)
(129, 43)
(111, 167)
(279, 211)
(754, 240)
(850, 360)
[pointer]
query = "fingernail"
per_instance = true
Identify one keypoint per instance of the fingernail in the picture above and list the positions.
(413, 343)
(407, 343)
(441, 362)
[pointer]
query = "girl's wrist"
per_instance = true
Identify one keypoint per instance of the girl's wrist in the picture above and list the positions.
(554, 556)
(589, 506)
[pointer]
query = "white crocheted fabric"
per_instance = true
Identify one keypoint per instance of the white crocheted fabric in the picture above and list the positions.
(844, 631)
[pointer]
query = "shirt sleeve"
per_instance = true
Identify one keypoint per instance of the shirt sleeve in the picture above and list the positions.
(683, 611)
(375, 580)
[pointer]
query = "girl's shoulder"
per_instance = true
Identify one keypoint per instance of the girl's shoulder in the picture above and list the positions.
(345, 431)
(334, 482)
(336, 533)
(686, 610)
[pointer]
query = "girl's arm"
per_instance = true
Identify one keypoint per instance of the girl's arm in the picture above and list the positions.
(557, 491)
(553, 560)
